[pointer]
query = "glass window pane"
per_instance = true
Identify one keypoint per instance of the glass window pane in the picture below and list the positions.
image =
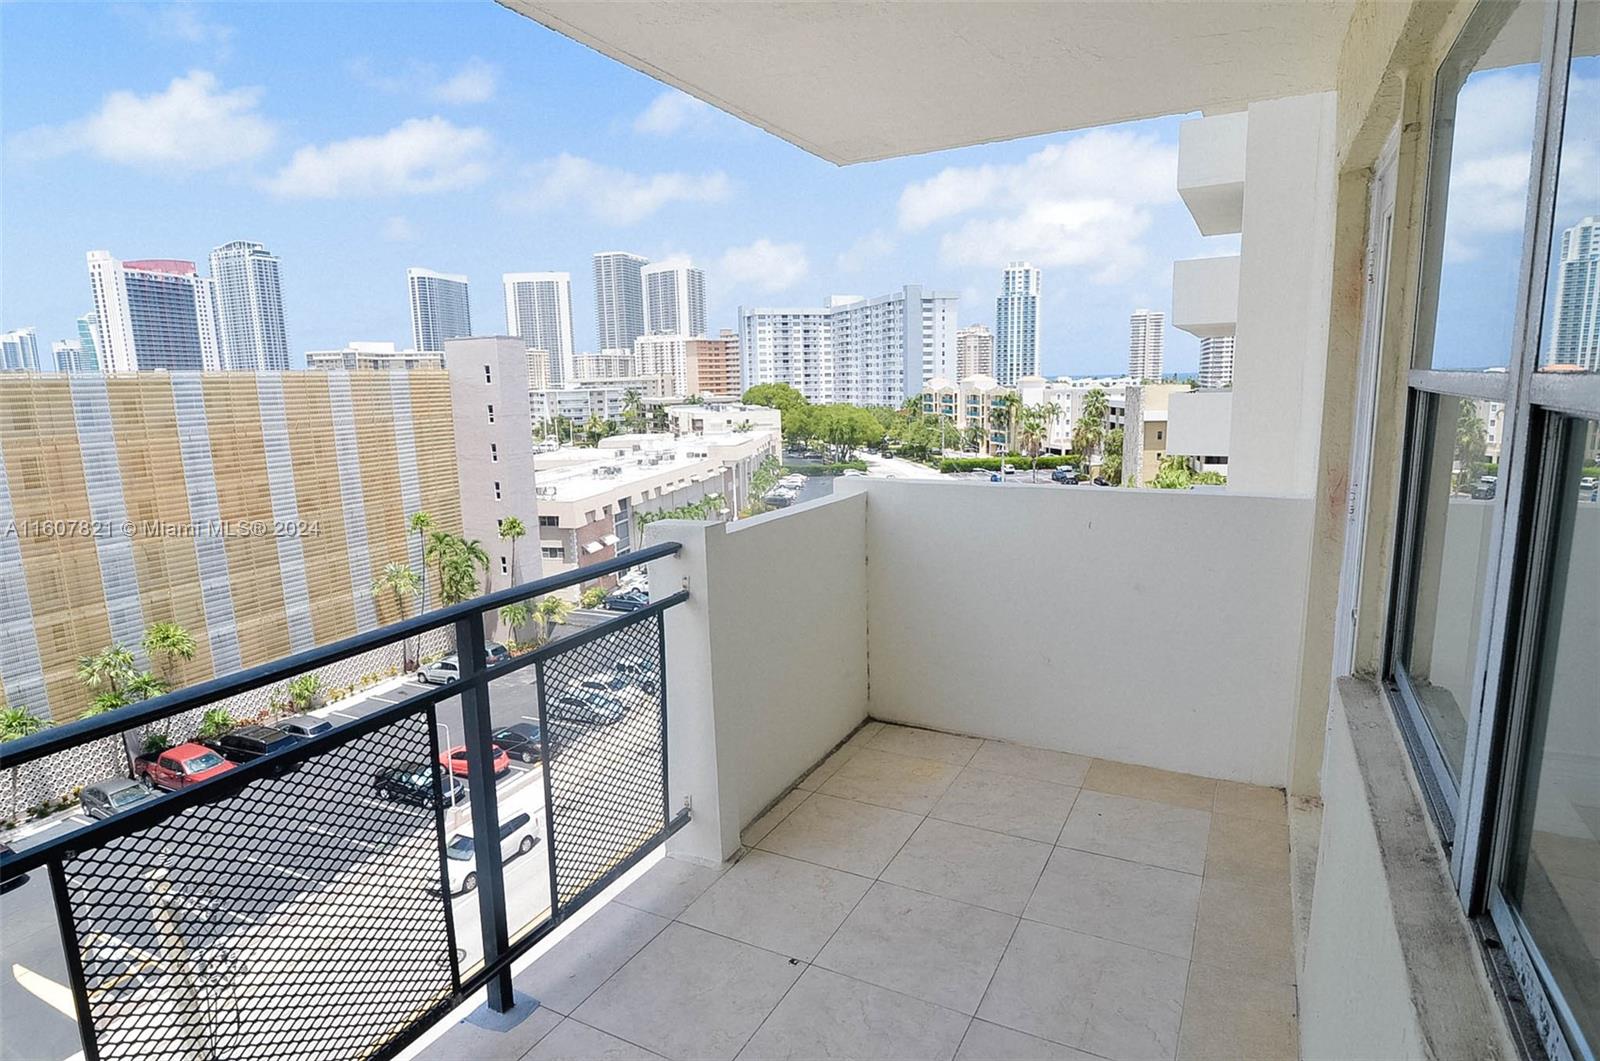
(1478, 191)
(1553, 872)
(1570, 340)
(1448, 575)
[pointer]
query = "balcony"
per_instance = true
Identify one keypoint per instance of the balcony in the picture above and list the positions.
(1211, 164)
(923, 894)
(1205, 296)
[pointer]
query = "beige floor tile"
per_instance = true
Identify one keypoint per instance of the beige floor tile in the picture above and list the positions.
(1250, 801)
(901, 782)
(926, 744)
(669, 886)
(574, 1041)
(841, 833)
(757, 830)
(970, 865)
(991, 1042)
(691, 994)
(469, 1040)
(1157, 834)
(1228, 1017)
(1245, 928)
(1104, 997)
(1248, 850)
(1129, 902)
(779, 903)
(926, 946)
(1041, 764)
(1006, 803)
(828, 767)
(828, 1015)
(1145, 782)
(570, 971)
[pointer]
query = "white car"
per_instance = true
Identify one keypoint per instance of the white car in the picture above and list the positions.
(518, 836)
(439, 671)
(853, 473)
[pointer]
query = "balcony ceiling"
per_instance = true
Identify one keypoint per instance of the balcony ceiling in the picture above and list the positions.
(854, 82)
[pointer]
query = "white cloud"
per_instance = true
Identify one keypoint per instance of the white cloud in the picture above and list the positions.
(866, 251)
(184, 23)
(399, 229)
(193, 123)
(1489, 159)
(475, 81)
(616, 196)
(1084, 201)
(417, 156)
(673, 112)
(763, 265)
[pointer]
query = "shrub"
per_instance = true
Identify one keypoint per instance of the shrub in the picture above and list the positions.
(156, 743)
(830, 468)
(214, 723)
(593, 597)
(1016, 460)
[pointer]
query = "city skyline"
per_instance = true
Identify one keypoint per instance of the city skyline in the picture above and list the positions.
(452, 186)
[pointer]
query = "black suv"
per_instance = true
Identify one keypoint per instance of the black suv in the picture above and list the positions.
(252, 742)
(521, 740)
(413, 783)
(1065, 474)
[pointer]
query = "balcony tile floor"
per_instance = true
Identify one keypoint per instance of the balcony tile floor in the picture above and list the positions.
(926, 895)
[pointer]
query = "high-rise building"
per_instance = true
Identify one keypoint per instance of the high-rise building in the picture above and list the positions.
(665, 356)
(712, 365)
(539, 312)
(89, 341)
(674, 299)
(1216, 361)
(1575, 330)
(1146, 343)
(440, 308)
(974, 351)
(857, 350)
(250, 331)
(1016, 324)
(155, 313)
(69, 356)
(618, 299)
(19, 351)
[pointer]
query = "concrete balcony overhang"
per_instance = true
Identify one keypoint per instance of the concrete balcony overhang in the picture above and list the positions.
(857, 82)
(1205, 296)
(1211, 155)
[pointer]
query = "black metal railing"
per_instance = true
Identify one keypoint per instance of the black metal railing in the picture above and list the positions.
(305, 903)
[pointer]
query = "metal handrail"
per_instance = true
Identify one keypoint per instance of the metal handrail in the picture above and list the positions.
(81, 731)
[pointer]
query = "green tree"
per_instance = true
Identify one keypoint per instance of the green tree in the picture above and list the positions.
(512, 529)
(514, 616)
(1174, 473)
(170, 643)
(593, 597)
(16, 722)
(550, 612)
(401, 584)
(305, 692)
(1111, 463)
(1089, 432)
(214, 723)
(632, 409)
(422, 525)
(144, 686)
(1471, 446)
(110, 670)
(792, 406)
(1033, 430)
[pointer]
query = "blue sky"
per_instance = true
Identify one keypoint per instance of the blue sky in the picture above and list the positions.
(355, 140)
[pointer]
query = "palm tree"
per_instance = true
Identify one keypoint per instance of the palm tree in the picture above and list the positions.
(595, 428)
(171, 643)
(421, 524)
(1033, 428)
(513, 616)
(550, 611)
(402, 584)
(1003, 414)
(437, 548)
(144, 685)
(18, 722)
(632, 407)
(511, 529)
(1090, 428)
(110, 670)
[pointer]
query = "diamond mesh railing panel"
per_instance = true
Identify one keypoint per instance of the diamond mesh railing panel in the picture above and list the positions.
(607, 777)
(297, 918)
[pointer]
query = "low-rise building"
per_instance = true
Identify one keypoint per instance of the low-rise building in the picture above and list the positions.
(372, 356)
(605, 398)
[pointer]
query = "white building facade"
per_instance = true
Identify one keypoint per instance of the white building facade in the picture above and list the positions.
(1146, 344)
(19, 351)
(674, 299)
(539, 311)
(1216, 362)
(1575, 327)
(440, 308)
(154, 313)
(618, 299)
(664, 356)
(249, 294)
(974, 351)
(1016, 323)
(861, 351)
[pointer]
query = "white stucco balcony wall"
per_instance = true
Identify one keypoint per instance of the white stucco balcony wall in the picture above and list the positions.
(1211, 153)
(1199, 423)
(1205, 295)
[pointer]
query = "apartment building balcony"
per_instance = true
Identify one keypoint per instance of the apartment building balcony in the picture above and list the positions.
(1211, 167)
(1205, 296)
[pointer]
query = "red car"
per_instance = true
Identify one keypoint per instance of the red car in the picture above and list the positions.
(180, 767)
(455, 760)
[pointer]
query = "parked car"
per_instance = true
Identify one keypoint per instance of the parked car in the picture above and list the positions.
(498, 653)
(638, 671)
(303, 726)
(589, 709)
(252, 742)
(603, 684)
(180, 767)
(106, 798)
(455, 760)
(521, 740)
(1100, 481)
(439, 671)
(1066, 475)
(852, 473)
(996, 477)
(627, 600)
(413, 783)
(518, 836)
(1009, 469)
(1484, 488)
